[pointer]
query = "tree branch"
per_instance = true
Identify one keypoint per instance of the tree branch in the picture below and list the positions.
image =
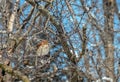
(59, 29)
(16, 73)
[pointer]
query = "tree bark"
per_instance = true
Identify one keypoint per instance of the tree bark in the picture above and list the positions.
(108, 6)
(12, 72)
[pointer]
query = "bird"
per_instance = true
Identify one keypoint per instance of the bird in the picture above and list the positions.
(43, 48)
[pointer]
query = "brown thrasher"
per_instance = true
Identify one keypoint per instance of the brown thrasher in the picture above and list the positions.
(43, 48)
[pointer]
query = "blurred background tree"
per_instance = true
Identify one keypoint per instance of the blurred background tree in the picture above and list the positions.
(82, 38)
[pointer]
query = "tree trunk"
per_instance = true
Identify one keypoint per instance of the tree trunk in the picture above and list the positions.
(108, 6)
